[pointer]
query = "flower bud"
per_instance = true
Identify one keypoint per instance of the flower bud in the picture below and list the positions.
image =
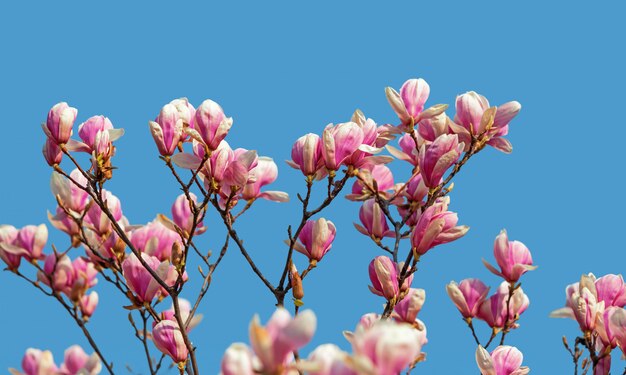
(168, 338)
(52, 152)
(296, 283)
(60, 121)
(374, 221)
(316, 238)
(306, 154)
(384, 276)
(212, 123)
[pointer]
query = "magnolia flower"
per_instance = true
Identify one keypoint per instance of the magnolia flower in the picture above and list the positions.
(272, 345)
(409, 103)
(316, 238)
(77, 362)
(58, 126)
(374, 221)
(474, 117)
(493, 310)
(436, 226)
(168, 338)
(185, 310)
(306, 154)
(504, 360)
(436, 158)
(155, 239)
(467, 296)
(37, 362)
(387, 347)
(264, 173)
(183, 215)
(384, 276)
(407, 309)
(340, 141)
(513, 257)
(139, 280)
(582, 304)
(212, 124)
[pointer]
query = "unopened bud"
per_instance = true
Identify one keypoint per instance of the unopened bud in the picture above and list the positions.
(296, 283)
(177, 257)
(119, 249)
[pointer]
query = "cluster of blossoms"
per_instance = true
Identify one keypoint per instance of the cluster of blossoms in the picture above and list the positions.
(75, 362)
(597, 305)
(500, 311)
(149, 263)
(378, 347)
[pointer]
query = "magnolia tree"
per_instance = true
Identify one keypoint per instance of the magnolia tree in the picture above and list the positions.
(150, 264)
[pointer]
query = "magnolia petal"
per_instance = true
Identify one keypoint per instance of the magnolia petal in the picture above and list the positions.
(484, 361)
(76, 146)
(276, 196)
(563, 312)
(187, 161)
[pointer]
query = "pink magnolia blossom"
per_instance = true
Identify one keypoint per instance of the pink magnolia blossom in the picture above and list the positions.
(52, 152)
(374, 139)
(58, 273)
(436, 226)
(415, 190)
(238, 360)
(475, 117)
(91, 132)
(76, 362)
(32, 238)
(88, 304)
(316, 238)
(513, 257)
(183, 216)
(264, 174)
(37, 362)
(306, 154)
(58, 126)
(98, 220)
(139, 280)
(467, 296)
(275, 343)
(330, 360)
(409, 103)
(582, 304)
(212, 124)
(186, 111)
(611, 290)
(155, 239)
(9, 252)
(374, 221)
(435, 159)
(168, 338)
(407, 309)
(375, 177)
(65, 223)
(408, 151)
(387, 347)
(239, 172)
(504, 360)
(384, 276)
(72, 196)
(339, 142)
(431, 128)
(493, 310)
(167, 129)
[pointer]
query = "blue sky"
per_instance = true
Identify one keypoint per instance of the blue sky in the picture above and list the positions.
(284, 69)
